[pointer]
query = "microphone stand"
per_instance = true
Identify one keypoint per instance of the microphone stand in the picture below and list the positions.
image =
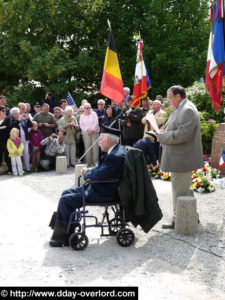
(117, 117)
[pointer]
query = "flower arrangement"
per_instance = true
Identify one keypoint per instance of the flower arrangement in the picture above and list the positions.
(202, 179)
(158, 174)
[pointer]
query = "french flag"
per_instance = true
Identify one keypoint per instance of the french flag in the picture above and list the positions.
(216, 55)
(222, 160)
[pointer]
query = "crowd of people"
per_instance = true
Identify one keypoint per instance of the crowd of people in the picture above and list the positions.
(33, 138)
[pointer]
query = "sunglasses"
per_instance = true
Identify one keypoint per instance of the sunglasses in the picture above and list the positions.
(87, 108)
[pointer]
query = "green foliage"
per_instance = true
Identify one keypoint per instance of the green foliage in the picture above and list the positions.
(198, 94)
(207, 133)
(62, 43)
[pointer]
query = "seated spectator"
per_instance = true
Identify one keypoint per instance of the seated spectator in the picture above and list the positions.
(54, 146)
(110, 167)
(100, 111)
(21, 120)
(110, 117)
(50, 100)
(35, 146)
(147, 145)
(70, 125)
(90, 132)
(15, 148)
(3, 103)
(63, 105)
(58, 113)
(5, 126)
(46, 121)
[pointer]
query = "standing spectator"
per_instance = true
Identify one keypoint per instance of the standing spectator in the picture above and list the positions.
(126, 91)
(15, 148)
(80, 145)
(83, 102)
(21, 121)
(182, 146)
(70, 125)
(50, 100)
(37, 109)
(110, 117)
(63, 105)
(57, 113)
(90, 132)
(46, 121)
(100, 111)
(132, 129)
(3, 103)
(35, 137)
(5, 126)
(28, 110)
(159, 114)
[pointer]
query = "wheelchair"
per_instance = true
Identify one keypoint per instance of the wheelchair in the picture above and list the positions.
(116, 226)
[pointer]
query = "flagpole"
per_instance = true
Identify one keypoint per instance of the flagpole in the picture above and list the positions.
(110, 28)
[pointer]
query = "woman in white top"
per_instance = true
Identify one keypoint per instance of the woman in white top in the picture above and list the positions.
(90, 132)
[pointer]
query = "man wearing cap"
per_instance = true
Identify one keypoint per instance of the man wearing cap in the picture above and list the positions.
(181, 145)
(147, 145)
(110, 166)
(37, 108)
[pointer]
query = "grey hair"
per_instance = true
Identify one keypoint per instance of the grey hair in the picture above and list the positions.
(157, 101)
(113, 138)
(14, 110)
(68, 108)
(101, 101)
(127, 89)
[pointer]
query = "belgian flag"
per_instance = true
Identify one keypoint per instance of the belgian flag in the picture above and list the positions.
(112, 84)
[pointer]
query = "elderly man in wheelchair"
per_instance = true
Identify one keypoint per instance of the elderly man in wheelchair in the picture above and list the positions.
(101, 188)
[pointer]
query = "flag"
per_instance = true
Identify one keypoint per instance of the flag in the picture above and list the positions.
(216, 54)
(112, 84)
(141, 81)
(222, 160)
(70, 100)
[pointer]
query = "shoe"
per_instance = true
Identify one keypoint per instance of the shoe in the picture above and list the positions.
(21, 174)
(9, 173)
(68, 166)
(59, 237)
(15, 174)
(72, 166)
(170, 225)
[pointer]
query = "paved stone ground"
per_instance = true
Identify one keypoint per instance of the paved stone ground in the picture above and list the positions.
(163, 264)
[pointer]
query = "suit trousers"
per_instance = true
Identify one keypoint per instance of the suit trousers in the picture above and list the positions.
(181, 182)
(92, 155)
(70, 200)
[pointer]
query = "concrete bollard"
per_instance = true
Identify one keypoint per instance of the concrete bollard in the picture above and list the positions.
(186, 221)
(78, 168)
(61, 165)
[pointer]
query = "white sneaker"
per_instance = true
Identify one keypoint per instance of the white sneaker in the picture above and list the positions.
(15, 174)
(21, 174)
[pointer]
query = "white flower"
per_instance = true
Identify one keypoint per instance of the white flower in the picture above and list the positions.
(201, 190)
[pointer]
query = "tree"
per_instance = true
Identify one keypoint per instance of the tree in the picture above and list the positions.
(62, 44)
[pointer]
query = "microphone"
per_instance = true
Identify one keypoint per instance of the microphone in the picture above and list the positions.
(130, 110)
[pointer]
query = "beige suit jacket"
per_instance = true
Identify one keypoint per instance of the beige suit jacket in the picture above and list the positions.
(181, 140)
(160, 118)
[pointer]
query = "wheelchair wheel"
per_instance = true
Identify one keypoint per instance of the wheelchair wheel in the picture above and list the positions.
(78, 241)
(76, 227)
(125, 237)
(115, 225)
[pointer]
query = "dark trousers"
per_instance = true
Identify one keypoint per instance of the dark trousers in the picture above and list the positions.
(69, 201)
(4, 150)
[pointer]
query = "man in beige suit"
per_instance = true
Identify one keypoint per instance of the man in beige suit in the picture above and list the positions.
(181, 145)
(159, 114)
